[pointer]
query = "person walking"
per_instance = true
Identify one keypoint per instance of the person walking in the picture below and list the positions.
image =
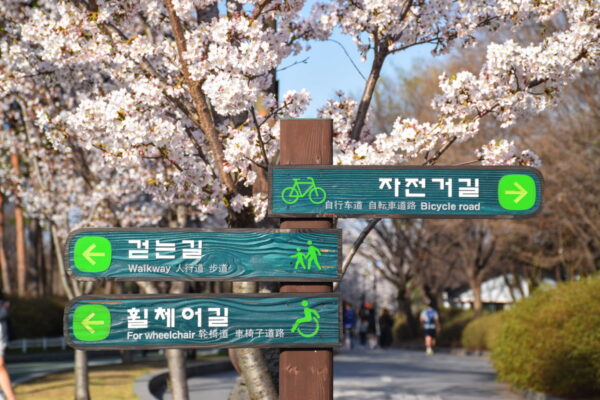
(372, 318)
(349, 322)
(431, 325)
(386, 324)
(363, 327)
(5, 383)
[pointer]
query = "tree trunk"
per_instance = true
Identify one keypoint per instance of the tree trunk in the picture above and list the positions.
(35, 263)
(176, 361)
(177, 374)
(20, 237)
(432, 297)
(5, 273)
(405, 307)
(252, 363)
(475, 285)
(81, 376)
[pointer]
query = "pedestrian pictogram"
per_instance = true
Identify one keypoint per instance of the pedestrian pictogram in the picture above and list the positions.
(292, 194)
(91, 322)
(310, 316)
(311, 256)
(93, 254)
(516, 192)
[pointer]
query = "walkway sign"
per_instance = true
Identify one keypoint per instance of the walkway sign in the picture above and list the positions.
(404, 191)
(203, 321)
(197, 254)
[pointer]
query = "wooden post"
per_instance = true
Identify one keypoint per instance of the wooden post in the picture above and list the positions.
(306, 374)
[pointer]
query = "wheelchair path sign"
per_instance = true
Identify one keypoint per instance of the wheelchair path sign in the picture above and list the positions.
(307, 320)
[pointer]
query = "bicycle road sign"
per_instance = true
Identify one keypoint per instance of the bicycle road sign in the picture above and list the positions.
(404, 191)
(200, 254)
(203, 321)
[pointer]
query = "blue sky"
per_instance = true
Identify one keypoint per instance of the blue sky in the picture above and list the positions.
(328, 69)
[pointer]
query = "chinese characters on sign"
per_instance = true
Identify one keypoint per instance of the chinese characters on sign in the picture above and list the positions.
(195, 254)
(405, 191)
(121, 322)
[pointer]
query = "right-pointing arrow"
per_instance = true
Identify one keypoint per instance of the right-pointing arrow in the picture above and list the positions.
(521, 192)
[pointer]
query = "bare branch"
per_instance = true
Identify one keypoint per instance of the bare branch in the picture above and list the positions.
(359, 240)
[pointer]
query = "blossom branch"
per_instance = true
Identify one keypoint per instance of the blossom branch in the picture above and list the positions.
(202, 107)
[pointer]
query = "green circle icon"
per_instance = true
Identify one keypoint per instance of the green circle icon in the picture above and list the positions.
(92, 254)
(516, 192)
(91, 322)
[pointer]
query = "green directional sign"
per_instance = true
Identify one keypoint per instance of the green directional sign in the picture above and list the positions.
(91, 322)
(517, 192)
(203, 321)
(92, 253)
(197, 254)
(404, 191)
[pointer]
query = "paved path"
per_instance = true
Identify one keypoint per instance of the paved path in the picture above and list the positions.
(391, 375)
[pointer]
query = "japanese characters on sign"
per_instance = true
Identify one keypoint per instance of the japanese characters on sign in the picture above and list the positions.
(405, 191)
(195, 321)
(195, 254)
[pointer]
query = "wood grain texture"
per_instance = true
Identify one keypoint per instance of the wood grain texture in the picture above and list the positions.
(253, 320)
(306, 374)
(358, 192)
(227, 254)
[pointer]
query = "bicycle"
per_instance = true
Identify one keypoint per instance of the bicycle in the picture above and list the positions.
(292, 194)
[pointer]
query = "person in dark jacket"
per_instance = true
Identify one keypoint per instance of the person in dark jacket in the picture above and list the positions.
(349, 323)
(385, 326)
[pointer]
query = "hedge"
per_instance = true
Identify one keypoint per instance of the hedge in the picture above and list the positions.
(550, 342)
(481, 333)
(35, 317)
(453, 323)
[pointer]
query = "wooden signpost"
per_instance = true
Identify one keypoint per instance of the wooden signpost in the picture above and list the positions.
(201, 321)
(304, 319)
(154, 254)
(405, 192)
(306, 374)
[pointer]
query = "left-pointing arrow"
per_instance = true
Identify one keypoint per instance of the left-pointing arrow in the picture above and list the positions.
(89, 255)
(87, 323)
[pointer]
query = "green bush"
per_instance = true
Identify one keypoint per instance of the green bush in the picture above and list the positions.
(550, 342)
(35, 317)
(400, 329)
(481, 333)
(453, 322)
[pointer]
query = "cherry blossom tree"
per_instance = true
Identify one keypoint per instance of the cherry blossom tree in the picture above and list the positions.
(133, 107)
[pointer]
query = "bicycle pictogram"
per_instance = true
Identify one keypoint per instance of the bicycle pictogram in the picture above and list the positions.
(310, 315)
(292, 194)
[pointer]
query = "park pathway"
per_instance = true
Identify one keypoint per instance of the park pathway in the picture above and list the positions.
(391, 375)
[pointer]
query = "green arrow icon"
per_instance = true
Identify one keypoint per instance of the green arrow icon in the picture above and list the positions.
(89, 256)
(516, 192)
(91, 322)
(88, 322)
(521, 192)
(92, 254)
